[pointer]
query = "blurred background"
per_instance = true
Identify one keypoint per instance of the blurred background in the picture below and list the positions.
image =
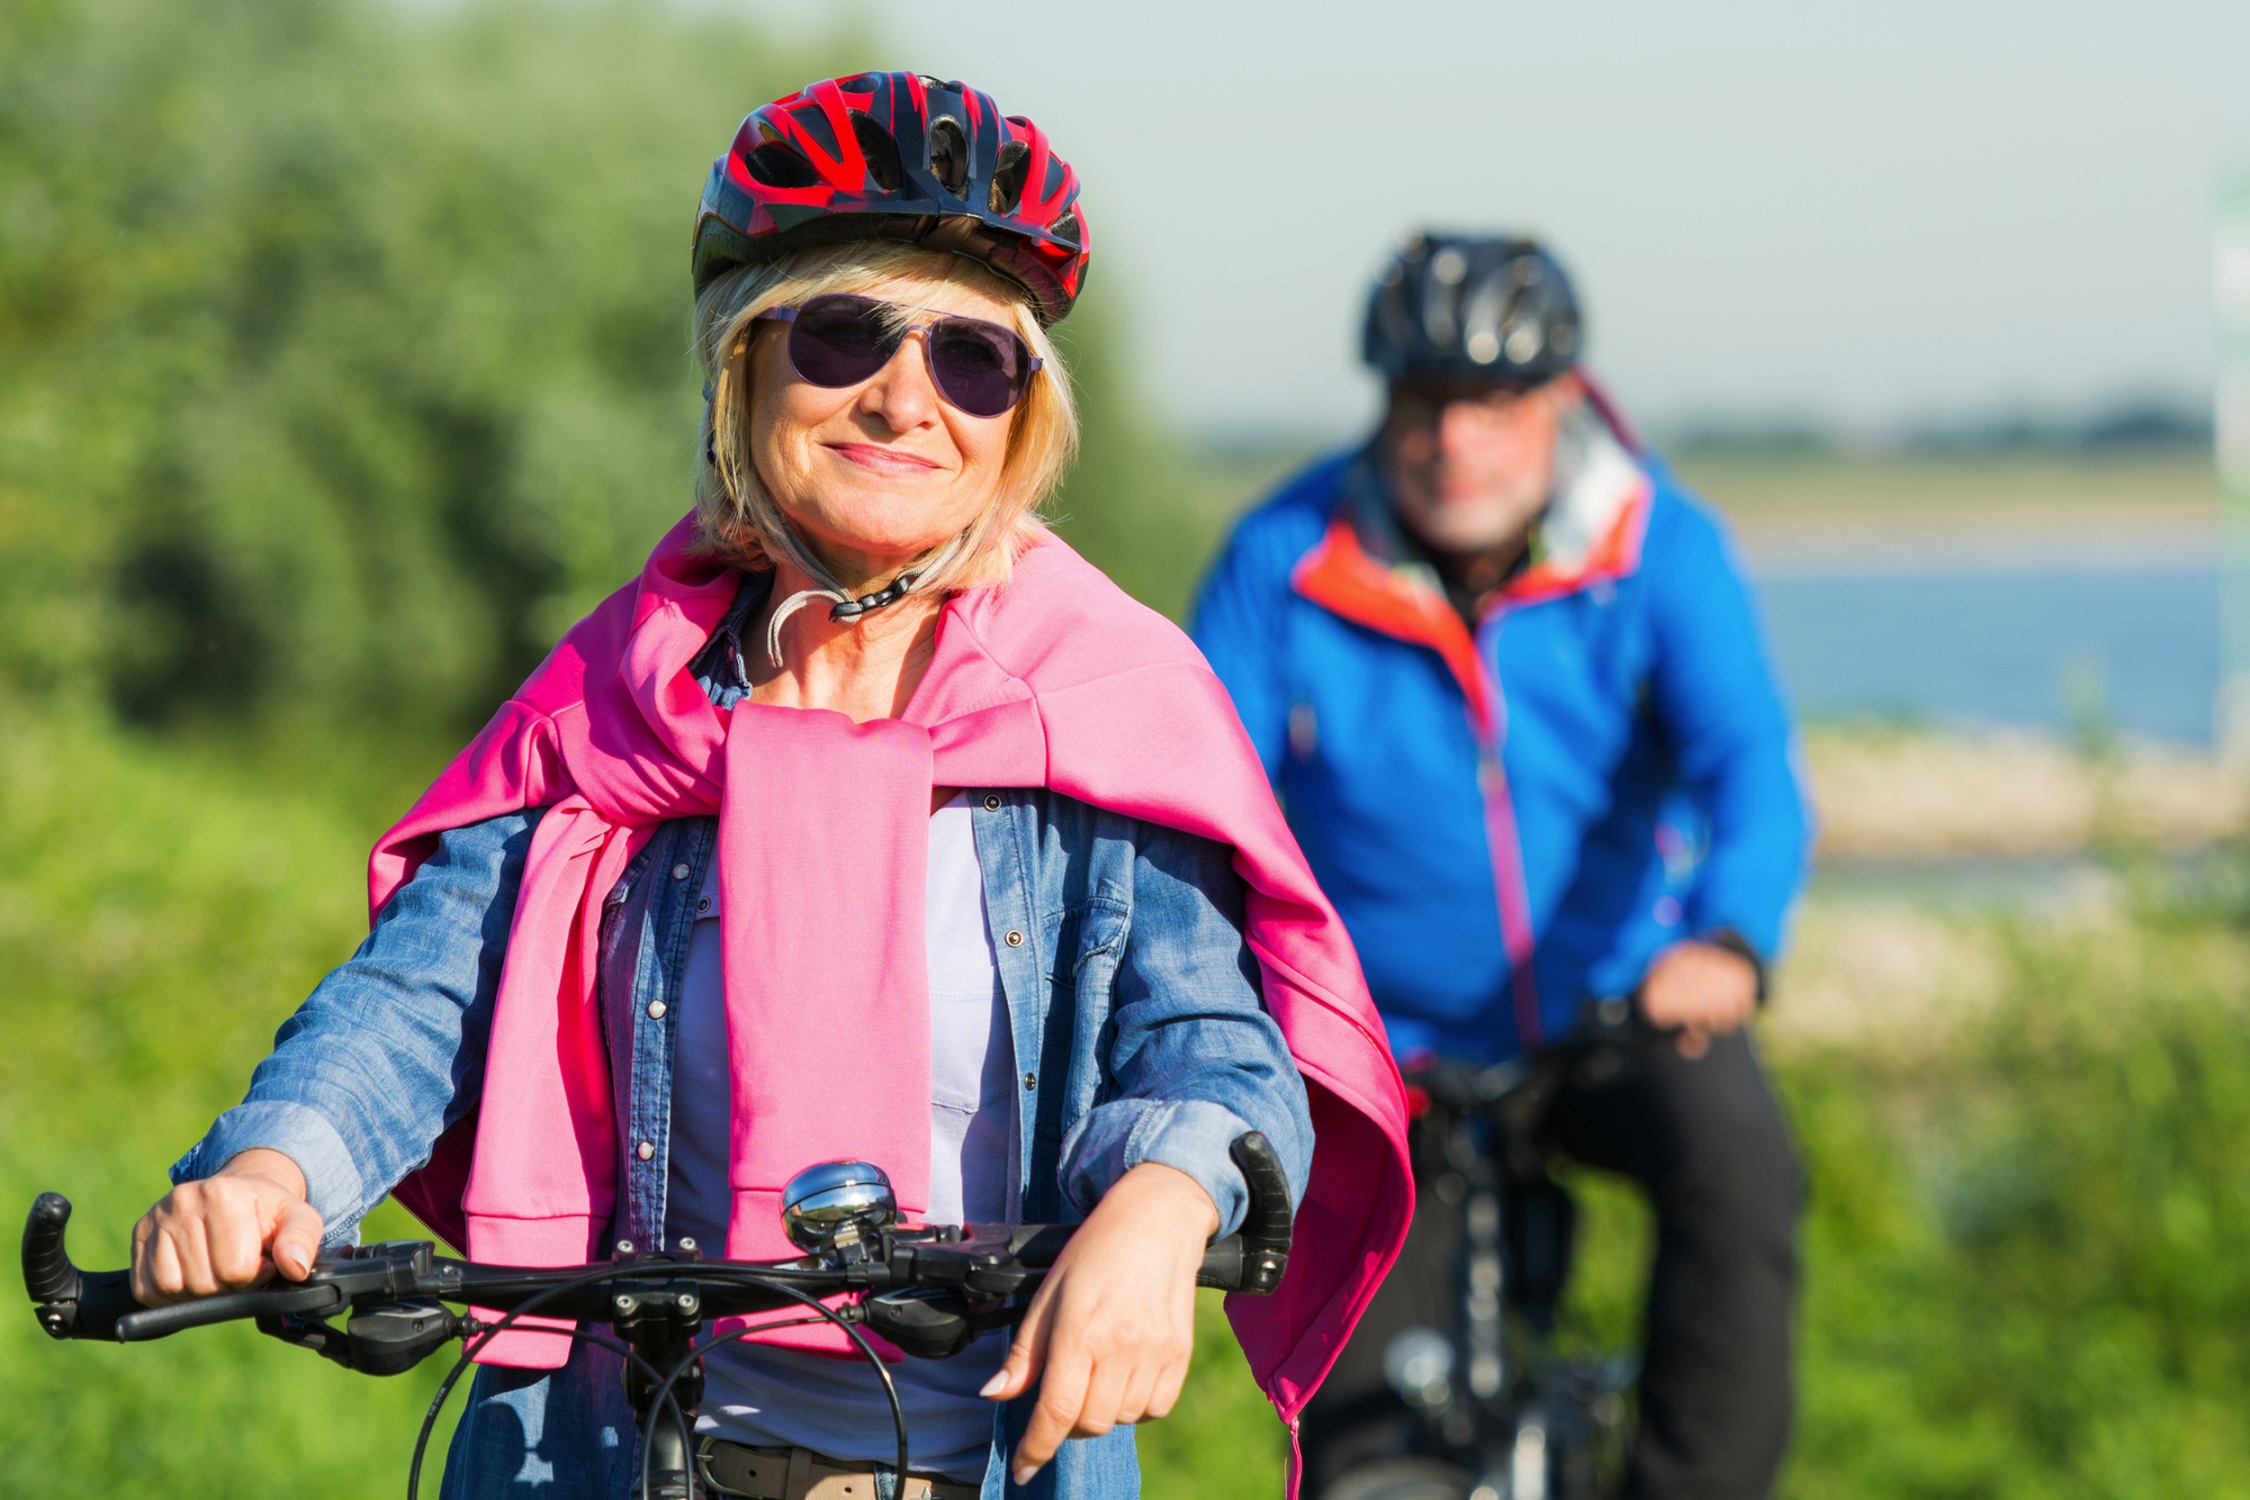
(343, 364)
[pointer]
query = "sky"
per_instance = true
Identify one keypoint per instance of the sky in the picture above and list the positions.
(1863, 216)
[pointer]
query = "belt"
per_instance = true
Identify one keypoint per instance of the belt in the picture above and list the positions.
(801, 1474)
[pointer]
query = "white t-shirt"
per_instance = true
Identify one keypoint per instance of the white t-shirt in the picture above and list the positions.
(775, 1397)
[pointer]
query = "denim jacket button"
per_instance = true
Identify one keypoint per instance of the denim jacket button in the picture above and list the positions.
(991, 801)
(656, 1010)
(1030, 1082)
(1015, 939)
(645, 1150)
(680, 871)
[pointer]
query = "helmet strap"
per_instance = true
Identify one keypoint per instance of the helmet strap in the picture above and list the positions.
(850, 610)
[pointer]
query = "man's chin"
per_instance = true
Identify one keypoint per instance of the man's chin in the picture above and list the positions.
(1466, 534)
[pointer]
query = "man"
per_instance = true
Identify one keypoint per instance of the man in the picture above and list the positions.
(1510, 686)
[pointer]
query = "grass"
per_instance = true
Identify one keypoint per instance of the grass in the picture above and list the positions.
(159, 914)
(2023, 1268)
(2024, 1252)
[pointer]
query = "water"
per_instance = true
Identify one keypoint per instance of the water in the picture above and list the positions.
(2131, 648)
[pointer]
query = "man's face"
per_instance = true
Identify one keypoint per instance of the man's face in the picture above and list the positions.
(1469, 466)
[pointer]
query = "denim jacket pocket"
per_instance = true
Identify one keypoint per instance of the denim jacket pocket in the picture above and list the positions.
(1085, 941)
(1091, 932)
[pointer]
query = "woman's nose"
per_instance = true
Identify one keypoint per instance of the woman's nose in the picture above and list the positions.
(903, 393)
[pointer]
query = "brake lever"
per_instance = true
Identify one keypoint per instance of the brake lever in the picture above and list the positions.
(162, 1322)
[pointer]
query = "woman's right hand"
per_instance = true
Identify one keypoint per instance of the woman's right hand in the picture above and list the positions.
(227, 1233)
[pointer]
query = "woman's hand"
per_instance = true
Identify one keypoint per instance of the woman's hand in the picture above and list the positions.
(1701, 989)
(226, 1233)
(1113, 1326)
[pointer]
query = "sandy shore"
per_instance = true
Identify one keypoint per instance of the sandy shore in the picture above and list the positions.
(1904, 796)
(1898, 933)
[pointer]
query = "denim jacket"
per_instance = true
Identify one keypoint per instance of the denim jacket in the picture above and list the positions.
(1133, 1003)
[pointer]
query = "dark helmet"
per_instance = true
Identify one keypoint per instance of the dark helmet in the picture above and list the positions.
(1476, 309)
(897, 156)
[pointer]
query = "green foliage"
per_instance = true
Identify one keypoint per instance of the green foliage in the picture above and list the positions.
(1130, 505)
(1222, 1441)
(2024, 1259)
(159, 916)
(343, 355)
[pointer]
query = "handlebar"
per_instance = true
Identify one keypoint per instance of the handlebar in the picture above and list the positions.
(1516, 1095)
(928, 1289)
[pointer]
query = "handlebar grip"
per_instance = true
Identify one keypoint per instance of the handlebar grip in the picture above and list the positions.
(69, 1303)
(1266, 1227)
(160, 1322)
(47, 1272)
(1222, 1265)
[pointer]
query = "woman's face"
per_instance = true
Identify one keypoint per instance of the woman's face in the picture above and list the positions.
(874, 475)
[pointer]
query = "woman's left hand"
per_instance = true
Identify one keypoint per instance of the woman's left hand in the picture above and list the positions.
(1113, 1326)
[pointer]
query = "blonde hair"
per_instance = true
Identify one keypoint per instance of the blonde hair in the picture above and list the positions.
(739, 522)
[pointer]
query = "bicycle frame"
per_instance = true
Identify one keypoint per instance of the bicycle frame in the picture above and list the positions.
(1501, 1410)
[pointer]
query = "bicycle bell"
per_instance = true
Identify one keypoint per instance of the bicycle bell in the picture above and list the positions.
(836, 1202)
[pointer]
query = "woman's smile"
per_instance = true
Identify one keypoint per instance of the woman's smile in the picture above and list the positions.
(882, 459)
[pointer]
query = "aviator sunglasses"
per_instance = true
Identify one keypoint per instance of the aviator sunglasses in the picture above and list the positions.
(839, 339)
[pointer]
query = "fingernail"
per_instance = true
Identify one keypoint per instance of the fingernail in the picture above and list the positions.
(1022, 1474)
(992, 1387)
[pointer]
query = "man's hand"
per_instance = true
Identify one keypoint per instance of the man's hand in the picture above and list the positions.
(1113, 1325)
(227, 1233)
(1702, 989)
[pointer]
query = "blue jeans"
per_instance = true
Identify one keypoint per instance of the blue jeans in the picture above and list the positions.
(568, 1434)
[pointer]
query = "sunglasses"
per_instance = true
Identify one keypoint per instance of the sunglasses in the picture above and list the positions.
(837, 340)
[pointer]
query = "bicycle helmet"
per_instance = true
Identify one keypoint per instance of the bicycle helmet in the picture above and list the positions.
(1474, 309)
(897, 156)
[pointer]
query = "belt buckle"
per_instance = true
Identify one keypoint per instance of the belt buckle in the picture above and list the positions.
(711, 1481)
(796, 1479)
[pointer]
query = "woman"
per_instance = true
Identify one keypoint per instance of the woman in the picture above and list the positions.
(966, 869)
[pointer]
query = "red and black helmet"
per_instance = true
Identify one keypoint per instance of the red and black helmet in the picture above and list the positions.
(897, 156)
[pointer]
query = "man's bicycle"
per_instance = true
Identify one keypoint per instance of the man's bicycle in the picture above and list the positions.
(1503, 1413)
(929, 1290)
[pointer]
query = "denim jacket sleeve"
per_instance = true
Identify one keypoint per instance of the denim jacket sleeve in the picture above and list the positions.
(1193, 1058)
(388, 1050)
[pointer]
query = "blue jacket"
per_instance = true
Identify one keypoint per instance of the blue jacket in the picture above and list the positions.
(1514, 821)
(1134, 1008)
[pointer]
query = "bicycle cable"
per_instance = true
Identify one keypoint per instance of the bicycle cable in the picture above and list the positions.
(823, 1312)
(476, 1345)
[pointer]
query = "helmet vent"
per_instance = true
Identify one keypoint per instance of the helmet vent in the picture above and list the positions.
(949, 155)
(780, 166)
(1066, 228)
(1008, 177)
(880, 147)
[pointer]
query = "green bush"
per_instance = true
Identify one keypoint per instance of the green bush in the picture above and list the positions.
(343, 350)
(2025, 1267)
(159, 916)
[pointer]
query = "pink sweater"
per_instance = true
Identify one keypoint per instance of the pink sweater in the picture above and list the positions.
(1056, 679)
